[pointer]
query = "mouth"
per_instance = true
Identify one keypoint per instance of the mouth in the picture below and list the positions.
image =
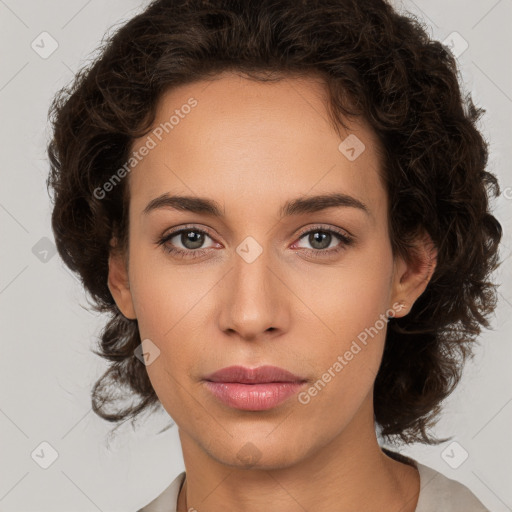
(255, 389)
(260, 375)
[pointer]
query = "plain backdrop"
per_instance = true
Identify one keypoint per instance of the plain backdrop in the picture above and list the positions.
(46, 364)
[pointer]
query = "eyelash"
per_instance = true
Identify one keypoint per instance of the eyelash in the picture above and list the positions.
(197, 253)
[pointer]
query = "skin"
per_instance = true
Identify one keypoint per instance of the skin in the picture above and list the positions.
(250, 146)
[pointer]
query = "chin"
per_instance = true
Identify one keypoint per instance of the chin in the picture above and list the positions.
(258, 452)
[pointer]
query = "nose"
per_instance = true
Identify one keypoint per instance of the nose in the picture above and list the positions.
(254, 299)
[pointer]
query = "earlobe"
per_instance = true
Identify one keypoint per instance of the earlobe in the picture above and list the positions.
(119, 285)
(411, 276)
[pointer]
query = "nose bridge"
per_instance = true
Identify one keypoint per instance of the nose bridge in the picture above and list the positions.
(251, 268)
(254, 301)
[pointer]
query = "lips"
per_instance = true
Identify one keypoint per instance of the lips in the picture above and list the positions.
(253, 389)
(262, 374)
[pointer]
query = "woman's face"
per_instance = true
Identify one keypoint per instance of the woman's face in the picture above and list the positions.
(272, 278)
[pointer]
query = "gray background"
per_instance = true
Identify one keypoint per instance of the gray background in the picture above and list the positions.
(46, 365)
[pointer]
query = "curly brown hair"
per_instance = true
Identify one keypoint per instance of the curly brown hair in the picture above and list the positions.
(377, 63)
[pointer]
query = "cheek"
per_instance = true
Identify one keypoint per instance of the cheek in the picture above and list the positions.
(172, 303)
(349, 330)
(350, 297)
(164, 293)
(166, 303)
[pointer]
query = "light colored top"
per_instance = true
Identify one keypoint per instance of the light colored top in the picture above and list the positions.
(437, 494)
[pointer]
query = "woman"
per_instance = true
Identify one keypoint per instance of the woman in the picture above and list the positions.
(284, 208)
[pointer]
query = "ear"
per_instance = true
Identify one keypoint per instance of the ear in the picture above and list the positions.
(118, 283)
(412, 275)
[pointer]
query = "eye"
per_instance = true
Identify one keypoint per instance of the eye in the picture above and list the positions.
(191, 239)
(323, 241)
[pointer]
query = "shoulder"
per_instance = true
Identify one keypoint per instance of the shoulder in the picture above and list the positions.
(166, 501)
(438, 492)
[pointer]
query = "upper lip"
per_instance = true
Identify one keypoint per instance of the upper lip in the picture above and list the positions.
(244, 375)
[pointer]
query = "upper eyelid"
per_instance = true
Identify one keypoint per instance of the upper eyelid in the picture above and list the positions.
(320, 227)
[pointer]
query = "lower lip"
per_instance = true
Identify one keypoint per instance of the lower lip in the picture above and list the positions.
(253, 397)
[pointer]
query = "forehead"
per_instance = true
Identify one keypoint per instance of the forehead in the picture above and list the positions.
(238, 140)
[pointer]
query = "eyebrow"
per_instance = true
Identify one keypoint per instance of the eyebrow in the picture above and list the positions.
(297, 206)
